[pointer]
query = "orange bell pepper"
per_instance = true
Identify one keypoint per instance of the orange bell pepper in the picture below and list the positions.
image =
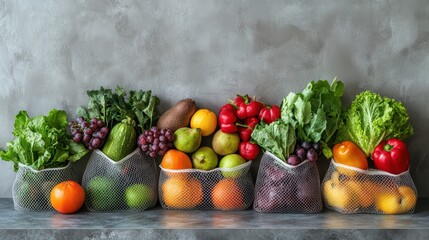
(349, 154)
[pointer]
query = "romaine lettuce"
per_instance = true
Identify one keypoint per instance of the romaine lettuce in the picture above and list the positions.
(42, 142)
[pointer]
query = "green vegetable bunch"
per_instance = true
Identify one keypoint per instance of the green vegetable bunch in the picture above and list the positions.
(42, 142)
(372, 118)
(113, 106)
(312, 115)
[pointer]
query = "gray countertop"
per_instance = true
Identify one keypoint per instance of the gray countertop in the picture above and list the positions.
(158, 223)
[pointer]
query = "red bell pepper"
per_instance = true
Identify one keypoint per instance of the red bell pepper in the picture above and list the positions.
(248, 150)
(245, 130)
(391, 156)
(269, 114)
(227, 119)
(246, 107)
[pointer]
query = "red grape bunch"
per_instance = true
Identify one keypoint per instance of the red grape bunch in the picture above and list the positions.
(304, 150)
(155, 141)
(92, 134)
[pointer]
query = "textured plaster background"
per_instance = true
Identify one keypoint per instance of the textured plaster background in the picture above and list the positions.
(51, 52)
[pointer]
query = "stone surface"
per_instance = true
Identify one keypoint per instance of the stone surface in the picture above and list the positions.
(158, 223)
(52, 52)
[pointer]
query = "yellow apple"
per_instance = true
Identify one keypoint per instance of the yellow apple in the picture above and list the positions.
(339, 196)
(395, 202)
(365, 191)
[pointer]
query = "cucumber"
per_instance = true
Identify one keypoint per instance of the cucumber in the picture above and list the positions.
(122, 140)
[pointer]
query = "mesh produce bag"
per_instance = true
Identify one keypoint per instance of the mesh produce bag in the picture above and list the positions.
(352, 190)
(219, 189)
(129, 184)
(281, 187)
(32, 188)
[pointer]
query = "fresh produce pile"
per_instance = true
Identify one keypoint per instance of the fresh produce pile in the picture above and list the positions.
(306, 126)
(373, 127)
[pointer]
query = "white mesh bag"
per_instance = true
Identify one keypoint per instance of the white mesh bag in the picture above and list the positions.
(352, 190)
(32, 188)
(128, 184)
(218, 189)
(281, 187)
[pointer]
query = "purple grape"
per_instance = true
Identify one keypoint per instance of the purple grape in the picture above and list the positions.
(306, 145)
(88, 131)
(80, 119)
(94, 121)
(149, 138)
(144, 147)
(301, 153)
(162, 138)
(74, 131)
(77, 137)
(100, 124)
(293, 160)
(312, 155)
(95, 142)
(155, 148)
(84, 124)
(142, 141)
(152, 154)
(86, 138)
(163, 131)
(104, 130)
(163, 145)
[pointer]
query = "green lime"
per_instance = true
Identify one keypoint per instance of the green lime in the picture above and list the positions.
(138, 196)
(102, 193)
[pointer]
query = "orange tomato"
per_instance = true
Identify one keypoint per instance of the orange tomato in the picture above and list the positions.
(227, 195)
(67, 197)
(181, 192)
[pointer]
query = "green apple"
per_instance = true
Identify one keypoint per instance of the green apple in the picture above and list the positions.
(231, 161)
(102, 193)
(225, 143)
(139, 196)
(205, 158)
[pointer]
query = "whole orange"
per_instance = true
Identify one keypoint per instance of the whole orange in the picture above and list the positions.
(183, 193)
(175, 159)
(227, 195)
(205, 120)
(67, 197)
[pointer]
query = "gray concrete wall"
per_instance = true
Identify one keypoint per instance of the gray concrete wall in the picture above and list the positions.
(51, 52)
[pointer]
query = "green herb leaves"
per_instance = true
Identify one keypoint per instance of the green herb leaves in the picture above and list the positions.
(113, 106)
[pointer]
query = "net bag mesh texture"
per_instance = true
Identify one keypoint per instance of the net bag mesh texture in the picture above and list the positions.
(218, 189)
(32, 188)
(128, 184)
(352, 190)
(281, 187)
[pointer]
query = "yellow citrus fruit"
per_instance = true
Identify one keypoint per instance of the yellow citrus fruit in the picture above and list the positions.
(205, 120)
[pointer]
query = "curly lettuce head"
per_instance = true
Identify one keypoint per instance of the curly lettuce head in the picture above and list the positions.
(373, 118)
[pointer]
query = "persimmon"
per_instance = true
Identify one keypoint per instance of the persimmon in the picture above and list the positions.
(67, 197)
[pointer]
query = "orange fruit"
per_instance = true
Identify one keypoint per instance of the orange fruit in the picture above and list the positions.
(175, 159)
(205, 120)
(182, 193)
(227, 195)
(67, 197)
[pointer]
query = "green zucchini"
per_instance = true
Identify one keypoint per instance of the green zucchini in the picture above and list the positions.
(122, 140)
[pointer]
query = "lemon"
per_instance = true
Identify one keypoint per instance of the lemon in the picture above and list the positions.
(205, 120)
